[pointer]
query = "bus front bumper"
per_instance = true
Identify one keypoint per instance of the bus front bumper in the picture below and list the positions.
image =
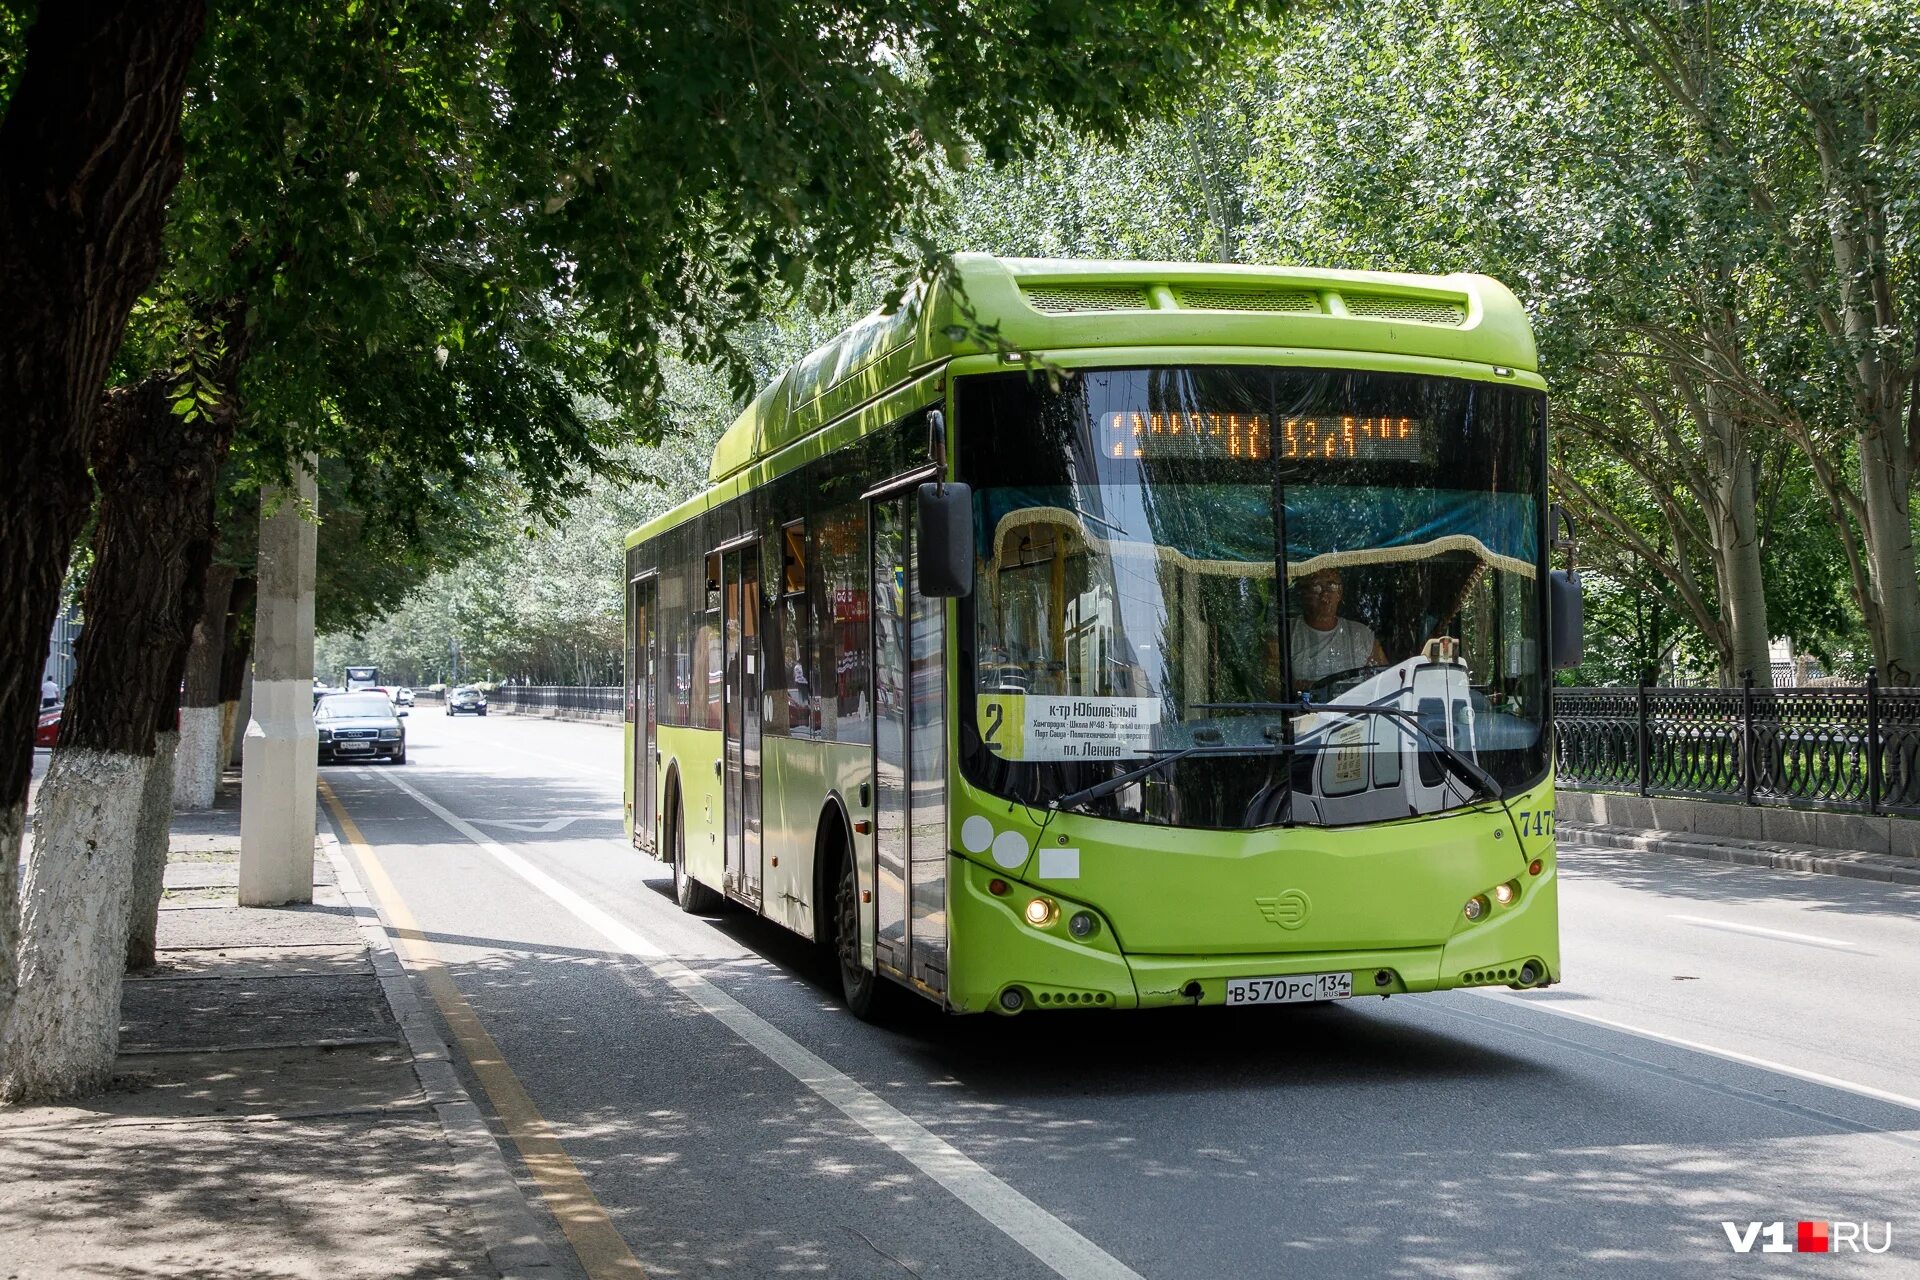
(1002, 963)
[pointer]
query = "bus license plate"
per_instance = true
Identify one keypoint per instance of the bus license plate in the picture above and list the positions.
(1296, 988)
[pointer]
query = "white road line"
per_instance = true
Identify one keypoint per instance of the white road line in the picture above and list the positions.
(1812, 1077)
(1053, 1242)
(1758, 932)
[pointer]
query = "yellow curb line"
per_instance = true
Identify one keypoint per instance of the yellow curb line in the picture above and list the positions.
(596, 1241)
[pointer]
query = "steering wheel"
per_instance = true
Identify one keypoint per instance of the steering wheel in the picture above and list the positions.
(1329, 688)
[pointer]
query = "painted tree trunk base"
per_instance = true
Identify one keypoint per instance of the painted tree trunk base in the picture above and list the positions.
(12, 820)
(64, 1029)
(229, 730)
(197, 762)
(151, 844)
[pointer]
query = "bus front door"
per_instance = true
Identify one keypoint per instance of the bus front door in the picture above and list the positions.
(910, 758)
(740, 589)
(643, 696)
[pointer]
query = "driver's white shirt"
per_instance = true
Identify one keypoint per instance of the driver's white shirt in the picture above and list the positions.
(1318, 654)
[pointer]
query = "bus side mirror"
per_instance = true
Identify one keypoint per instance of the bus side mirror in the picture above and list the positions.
(1568, 615)
(945, 537)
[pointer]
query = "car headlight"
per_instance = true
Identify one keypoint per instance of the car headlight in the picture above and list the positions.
(326, 735)
(390, 735)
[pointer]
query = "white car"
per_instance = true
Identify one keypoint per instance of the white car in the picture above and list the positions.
(403, 697)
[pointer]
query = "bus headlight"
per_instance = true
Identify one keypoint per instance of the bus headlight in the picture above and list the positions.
(1082, 924)
(1504, 894)
(1475, 908)
(1041, 911)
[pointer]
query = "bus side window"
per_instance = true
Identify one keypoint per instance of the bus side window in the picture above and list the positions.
(793, 701)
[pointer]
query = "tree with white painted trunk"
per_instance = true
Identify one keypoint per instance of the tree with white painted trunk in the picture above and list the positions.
(198, 762)
(156, 470)
(89, 154)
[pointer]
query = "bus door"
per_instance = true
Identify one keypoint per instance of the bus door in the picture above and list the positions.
(910, 757)
(740, 625)
(642, 697)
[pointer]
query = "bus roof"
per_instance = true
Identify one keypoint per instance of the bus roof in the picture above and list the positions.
(1053, 305)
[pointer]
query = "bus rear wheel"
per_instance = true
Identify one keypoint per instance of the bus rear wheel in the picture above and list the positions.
(693, 896)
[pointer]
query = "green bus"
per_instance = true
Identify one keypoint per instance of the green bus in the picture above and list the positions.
(1106, 635)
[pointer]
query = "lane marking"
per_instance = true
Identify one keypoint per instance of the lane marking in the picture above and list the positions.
(1053, 1242)
(539, 826)
(1679, 1075)
(1759, 932)
(1745, 1059)
(602, 1251)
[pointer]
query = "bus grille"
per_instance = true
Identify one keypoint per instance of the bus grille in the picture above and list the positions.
(1246, 299)
(1069, 297)
(1418, 310)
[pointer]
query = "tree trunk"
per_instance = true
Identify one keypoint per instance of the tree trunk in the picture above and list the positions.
(89, 153)
(1733, 518)
(198, 763)
(1886, 491)
(236, 654)
(152, 543)
(151, 844)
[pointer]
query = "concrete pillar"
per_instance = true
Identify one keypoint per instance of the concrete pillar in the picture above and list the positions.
(278, 763)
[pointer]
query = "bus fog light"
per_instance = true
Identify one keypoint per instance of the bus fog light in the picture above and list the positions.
(1012, 999)
(1475, 908)
(1041, 911)
(1503, 893)
(1082, 924)
(1528, 974)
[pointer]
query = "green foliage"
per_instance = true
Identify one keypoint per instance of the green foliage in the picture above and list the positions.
(1614, 162)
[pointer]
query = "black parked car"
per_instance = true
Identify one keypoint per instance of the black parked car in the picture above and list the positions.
(466, 698)
(359, 726)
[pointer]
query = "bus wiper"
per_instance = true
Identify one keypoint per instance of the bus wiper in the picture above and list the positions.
(1100, 790)
(1462, 765)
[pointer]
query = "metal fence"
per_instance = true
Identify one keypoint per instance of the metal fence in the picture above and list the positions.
(1848, 748)
(604, 699)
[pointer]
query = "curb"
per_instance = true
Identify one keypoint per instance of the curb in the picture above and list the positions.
(1778, 857)
(483, 1183)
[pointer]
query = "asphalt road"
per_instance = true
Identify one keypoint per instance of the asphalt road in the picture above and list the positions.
(1730, 1043)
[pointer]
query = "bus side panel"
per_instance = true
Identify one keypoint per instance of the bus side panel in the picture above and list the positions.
(694, 756)
(799, 774)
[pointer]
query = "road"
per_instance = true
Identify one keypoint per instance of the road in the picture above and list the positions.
(1729, 1044)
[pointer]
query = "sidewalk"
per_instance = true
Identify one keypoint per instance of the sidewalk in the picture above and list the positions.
(1854, 864)
(268, 1116)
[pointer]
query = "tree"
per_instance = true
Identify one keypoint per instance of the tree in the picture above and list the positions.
(426, 237)
(89, 153)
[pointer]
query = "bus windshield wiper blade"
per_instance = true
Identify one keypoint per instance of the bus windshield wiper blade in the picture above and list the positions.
(1099, 790)
(1464, 766)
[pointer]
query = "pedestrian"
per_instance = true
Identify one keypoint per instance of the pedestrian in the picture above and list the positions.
(49, 692)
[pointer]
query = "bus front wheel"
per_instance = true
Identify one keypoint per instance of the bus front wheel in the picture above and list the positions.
(693, 896)
(860, 987)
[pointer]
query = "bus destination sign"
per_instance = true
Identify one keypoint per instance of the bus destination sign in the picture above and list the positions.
(1133, 433)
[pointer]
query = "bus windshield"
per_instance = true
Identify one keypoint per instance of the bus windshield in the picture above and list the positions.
(1196, 559)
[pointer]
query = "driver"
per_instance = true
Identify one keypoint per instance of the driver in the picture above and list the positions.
(1321, 642)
